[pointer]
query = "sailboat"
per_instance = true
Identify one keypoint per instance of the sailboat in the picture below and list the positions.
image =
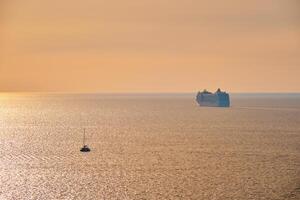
(85, 147)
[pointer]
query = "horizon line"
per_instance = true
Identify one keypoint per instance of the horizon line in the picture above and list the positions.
(136, 93)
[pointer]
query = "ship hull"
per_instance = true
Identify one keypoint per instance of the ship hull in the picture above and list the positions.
(213, 100)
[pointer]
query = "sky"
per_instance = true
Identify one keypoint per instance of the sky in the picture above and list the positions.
(149, 46)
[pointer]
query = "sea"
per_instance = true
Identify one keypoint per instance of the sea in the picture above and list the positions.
(149, 146)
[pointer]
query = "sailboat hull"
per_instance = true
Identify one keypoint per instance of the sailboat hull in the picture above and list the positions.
(85, 149)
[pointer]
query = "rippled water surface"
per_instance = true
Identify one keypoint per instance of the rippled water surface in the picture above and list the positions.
(149, 147)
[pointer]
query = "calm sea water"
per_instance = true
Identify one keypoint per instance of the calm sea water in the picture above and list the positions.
(149, 147)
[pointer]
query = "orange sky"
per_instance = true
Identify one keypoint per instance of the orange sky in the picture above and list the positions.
(149, 46)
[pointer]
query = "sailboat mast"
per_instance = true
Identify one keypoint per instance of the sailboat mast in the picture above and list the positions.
(83, 136)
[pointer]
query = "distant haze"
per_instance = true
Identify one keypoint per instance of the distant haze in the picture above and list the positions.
(149, 46)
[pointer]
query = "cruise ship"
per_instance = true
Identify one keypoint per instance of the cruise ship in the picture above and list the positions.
(217, 99)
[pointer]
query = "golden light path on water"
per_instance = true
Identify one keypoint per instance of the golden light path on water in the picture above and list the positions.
(148, 147)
